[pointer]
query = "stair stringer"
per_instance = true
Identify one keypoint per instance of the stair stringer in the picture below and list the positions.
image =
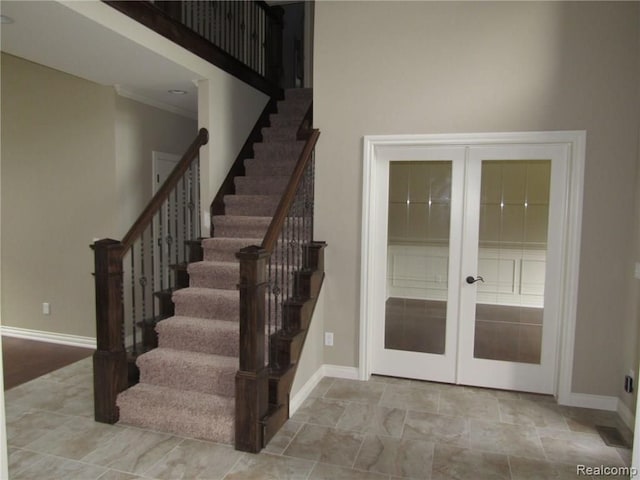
(296, 324)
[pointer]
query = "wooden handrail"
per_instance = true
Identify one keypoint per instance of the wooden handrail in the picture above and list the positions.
(277, 223)
(165, 190)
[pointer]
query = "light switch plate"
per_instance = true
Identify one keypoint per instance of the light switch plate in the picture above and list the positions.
(637, 271)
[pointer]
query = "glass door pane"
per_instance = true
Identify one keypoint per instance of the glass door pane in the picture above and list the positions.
(419, 213)
(512, 252)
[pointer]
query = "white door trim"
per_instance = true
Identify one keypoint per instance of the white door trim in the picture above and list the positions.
(574, 140)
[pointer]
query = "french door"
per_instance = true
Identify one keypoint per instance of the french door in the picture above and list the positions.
(470, 247)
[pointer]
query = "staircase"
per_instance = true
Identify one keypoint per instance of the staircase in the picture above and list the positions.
(187, 384)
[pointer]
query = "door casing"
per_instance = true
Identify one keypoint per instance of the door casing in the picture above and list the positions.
(378, 150)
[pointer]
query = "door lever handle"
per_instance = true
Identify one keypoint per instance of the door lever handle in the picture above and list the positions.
(471, 280)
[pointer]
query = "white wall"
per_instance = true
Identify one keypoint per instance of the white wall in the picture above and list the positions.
(448, 67)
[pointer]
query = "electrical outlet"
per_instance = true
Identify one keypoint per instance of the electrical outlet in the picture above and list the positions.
(328, 339)
(46, 308)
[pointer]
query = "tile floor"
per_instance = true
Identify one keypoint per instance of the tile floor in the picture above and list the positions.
(382, 429)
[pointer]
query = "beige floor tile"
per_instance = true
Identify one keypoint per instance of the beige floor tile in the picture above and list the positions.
(269, 467)
(321, 388)
(282, 439)
(536, 414)
(75, 438)
(465, 404)
(390, 380)
(516, 440)
(325, 444)
(356, 391)
(454, 463)
(410, 398)
(323, 471)
(396, 457)
(20, 459)
(531, 469)
(55, 468)
(31, 426)
(320, 411)
(578, 448)
(195, 460)
(438, 428)
(115, 475)
(585, 420)
(375, 419)
(132, 450)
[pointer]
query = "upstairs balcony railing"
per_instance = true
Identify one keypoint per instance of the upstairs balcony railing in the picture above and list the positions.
(243, 38)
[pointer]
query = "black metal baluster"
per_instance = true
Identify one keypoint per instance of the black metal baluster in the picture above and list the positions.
(185, 207)
(176, 231)
(153, 268)
(133, 294)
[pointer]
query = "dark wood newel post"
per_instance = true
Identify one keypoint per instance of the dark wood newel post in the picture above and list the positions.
(110, 358)
(252, 386)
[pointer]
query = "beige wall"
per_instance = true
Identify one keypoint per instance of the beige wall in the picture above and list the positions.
(431, 67)
(77, 166)
(229, 109)
(312, 356)
(141, 129)
(58, 192)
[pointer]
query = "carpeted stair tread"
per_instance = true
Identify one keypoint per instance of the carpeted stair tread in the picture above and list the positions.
(221, 275)
(207, 303)
(235, 226)
(224, 249)
(278, 167)
(251, 205)
(278, 120)
(184, 413)
(287, 133)
(204, 335)
(184, 370)
(187, 384)
(298, 93)
(286, 150)
(261, 185)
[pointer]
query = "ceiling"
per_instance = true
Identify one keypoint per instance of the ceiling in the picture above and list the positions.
(51, 34)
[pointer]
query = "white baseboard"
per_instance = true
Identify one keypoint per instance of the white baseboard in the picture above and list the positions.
(335, 371)
(338, 371)
(51, 337)
(626, 415)
(586, 400)
(302, 394)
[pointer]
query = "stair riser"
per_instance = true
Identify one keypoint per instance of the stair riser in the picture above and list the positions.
(264, 206)
(225, 343)
(207, 308)
(278, 151)
(184, 376)
(280, 134)
(209, 275)
(183, 424)
(275, 168)
(260, 185)
(240, 231)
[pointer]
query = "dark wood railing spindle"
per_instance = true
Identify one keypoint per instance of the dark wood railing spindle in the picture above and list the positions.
(110, 365)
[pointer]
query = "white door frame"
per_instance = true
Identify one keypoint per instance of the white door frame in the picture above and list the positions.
(575, 141)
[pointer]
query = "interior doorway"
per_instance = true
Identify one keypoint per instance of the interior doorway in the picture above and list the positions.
(465, 262)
